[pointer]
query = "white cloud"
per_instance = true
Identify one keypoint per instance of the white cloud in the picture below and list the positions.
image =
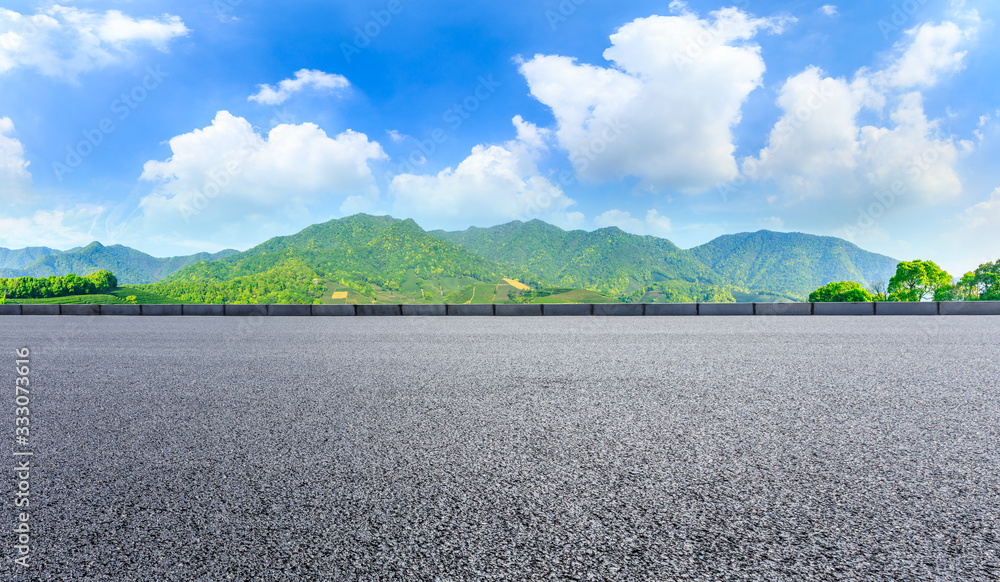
(227, 172)
(495, 183)
(304, 79)
(66, 41)
(828, 9)
(665, 110)
(655, 223)
(14, 176)
(820, 148)
(60, 228)
(932, 51)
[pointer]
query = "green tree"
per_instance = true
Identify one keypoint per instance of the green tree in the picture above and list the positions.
(986, 280)
(103, 281)
(841, 292)
(917, 280)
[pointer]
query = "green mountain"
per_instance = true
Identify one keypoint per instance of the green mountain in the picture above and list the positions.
(129, 265)
(608, 261)
(17, 259)
(794, 264)
(361, 257)
(366, 259)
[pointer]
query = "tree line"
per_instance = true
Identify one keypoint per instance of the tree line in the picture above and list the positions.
(918, 281)
(44, 288)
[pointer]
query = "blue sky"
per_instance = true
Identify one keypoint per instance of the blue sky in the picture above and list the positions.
(181, 127)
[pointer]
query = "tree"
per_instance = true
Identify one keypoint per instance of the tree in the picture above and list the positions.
(878, 289)
(841, 292)
(103, 281)
(917, 280)
(987, 281)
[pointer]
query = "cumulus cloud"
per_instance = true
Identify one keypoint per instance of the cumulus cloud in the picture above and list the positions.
(665, 109)
(14, 176)
(655, 223)
(65, 41)
(227, 171)
(495, 183)
(828, 9)
(930, 52)
(304, 79)
(820, 147)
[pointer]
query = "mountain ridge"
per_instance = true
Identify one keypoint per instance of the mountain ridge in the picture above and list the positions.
(382, 258)
(129, 265)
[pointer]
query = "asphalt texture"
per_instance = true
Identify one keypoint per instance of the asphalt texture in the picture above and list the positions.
(508, 449)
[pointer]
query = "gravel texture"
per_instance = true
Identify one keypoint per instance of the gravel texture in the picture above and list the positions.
(509, 449)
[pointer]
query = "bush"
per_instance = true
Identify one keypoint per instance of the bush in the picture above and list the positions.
(841, 292)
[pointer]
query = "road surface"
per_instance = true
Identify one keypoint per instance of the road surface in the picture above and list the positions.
(442, 448)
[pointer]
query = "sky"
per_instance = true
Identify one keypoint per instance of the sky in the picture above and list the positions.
(181, 127)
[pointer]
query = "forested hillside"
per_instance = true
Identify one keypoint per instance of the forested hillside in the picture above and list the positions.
(791, 263)
(129, 265)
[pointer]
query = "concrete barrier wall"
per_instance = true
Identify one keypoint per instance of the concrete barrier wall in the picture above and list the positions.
(246, 310)
(522, 310)
(289, 310)
(40, 309)
(162, 310)
(565, 309)
(671, 309)
(79, 309)
(425, 310)
(518, 309)
(121, 310)
(470, 310)
(379, 310)
(782, 308)
(970, 308)
(334, 310)
(843, 309)
(725, 309)
(619, 309)
(203, 310)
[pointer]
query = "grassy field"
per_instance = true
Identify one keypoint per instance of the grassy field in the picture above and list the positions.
(71, 300)
(116, 297)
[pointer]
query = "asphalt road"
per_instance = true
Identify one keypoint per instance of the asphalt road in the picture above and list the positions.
(507, 449)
